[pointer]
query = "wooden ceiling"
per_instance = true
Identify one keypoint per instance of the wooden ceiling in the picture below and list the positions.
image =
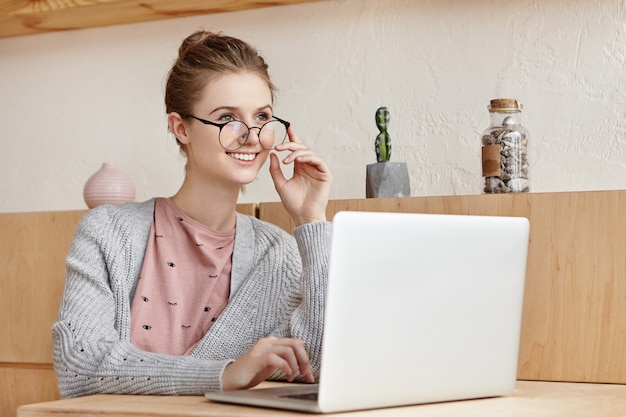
(27, 17)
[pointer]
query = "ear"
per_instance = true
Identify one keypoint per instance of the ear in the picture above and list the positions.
(178, 127)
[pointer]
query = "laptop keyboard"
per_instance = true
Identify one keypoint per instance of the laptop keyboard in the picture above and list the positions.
(309, 396)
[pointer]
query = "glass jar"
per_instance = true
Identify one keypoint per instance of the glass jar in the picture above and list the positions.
(505, 149)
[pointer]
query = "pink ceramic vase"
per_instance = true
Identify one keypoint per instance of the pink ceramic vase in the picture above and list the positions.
(108, 185)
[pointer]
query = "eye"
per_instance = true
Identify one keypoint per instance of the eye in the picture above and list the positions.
(226, 118)
(263, 117)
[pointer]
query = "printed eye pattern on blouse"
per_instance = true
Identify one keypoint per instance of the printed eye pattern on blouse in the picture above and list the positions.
(176, 303)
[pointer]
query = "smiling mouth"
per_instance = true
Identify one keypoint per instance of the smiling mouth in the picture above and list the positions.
(242, 156)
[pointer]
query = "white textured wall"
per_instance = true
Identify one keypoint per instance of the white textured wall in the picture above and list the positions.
(72, 100)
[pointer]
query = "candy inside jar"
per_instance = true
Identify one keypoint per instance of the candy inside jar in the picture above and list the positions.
(505, 149)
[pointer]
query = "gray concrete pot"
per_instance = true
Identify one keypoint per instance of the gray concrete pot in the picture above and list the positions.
(387, 179)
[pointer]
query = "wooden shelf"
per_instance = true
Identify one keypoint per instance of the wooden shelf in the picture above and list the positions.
(28, 17)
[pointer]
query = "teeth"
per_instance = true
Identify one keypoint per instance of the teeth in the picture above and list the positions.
(243, 156)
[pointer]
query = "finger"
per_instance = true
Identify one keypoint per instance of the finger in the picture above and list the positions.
(304, 364)
(293, 352)
(290, 146)
(297, 155)
(309, 158)
(276, 173)
(313, 161)
(301, 357)
(288, 367)
(291, 133)
(283, 356)
(302, 154)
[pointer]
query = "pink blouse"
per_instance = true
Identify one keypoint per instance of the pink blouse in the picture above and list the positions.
(184, 283)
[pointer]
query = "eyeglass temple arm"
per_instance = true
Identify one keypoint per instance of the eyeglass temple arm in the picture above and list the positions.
(286, 123)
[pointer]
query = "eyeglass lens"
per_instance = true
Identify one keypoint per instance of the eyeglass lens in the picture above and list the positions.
(235, 134)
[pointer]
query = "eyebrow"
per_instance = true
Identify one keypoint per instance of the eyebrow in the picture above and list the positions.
(236, 109)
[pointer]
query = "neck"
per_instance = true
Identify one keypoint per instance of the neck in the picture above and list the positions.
(212, 206)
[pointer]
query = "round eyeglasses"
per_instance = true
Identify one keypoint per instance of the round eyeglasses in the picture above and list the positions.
(234, 134)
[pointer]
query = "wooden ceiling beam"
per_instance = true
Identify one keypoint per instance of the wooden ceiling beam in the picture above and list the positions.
(27, 17)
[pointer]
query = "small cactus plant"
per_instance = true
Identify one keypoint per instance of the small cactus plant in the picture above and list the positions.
(385, 178)
(383, 140)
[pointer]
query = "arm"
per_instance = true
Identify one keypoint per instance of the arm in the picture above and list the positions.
(288, 294)
(307, 321)
(305, 197)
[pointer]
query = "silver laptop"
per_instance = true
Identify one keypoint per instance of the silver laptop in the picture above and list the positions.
(421, 308)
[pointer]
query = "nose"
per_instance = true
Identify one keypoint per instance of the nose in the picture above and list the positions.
(254, 138)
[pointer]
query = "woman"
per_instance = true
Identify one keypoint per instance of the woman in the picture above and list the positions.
(184, 295)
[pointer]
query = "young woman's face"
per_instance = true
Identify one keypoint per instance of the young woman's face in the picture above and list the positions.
(242, 96)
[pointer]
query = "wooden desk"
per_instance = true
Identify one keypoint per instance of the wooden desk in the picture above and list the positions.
(531, 398)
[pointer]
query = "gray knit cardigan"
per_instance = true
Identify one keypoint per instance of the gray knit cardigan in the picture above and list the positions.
(278, 288)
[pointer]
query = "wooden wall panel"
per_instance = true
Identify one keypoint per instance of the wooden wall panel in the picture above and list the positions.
(574, 322)
(32, 273)
(248, 208)
(25, 385)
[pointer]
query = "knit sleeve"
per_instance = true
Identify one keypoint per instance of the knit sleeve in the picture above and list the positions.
(307, 320)
(92, 351)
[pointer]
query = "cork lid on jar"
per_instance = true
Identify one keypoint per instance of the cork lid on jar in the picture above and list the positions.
(504, 105)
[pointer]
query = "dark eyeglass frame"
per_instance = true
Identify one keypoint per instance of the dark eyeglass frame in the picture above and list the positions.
(221, 126)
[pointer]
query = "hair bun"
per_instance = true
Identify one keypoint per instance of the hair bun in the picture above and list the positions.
(196, 38)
